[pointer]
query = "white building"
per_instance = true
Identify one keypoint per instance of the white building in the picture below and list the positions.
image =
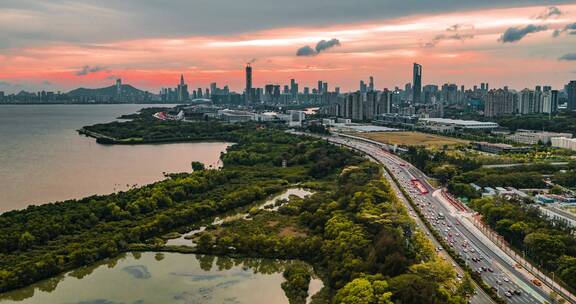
(445, 124)
(533, 137)
(564, 142)
(233, 116)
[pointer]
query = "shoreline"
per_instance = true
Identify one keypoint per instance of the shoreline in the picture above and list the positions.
(108, 140)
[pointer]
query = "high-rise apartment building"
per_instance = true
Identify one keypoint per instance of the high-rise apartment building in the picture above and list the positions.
(499, 102)
(526, 102)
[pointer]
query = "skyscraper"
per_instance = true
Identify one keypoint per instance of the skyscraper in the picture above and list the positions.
(248, 93)
(293, 89)
(554, 98)
(526, 102)
(385, 102)
(118, 87)
(571, 91)
(371, 84)
(416, 82)
(182, 90)
(538, 100)
(547, 102)
(213, 88)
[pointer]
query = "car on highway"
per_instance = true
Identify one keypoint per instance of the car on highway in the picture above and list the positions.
(536, 282)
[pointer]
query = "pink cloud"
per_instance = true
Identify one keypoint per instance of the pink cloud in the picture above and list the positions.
(384, 49)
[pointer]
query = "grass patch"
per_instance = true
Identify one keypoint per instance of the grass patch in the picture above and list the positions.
(411, 138)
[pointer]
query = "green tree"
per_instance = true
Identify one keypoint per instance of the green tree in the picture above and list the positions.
(362, 290)
(26, 240)
(556, 190)
(205, 242)
(197, 166)
(296, 285)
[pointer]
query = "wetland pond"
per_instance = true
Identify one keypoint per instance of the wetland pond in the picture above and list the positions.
(151, 278)
(154, 277)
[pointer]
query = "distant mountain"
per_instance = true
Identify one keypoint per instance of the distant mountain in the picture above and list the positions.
(127, 90)
(25, 94)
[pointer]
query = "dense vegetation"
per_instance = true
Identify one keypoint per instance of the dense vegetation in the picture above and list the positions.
(40, 241)
(548, 243)
(353, 229)
(145, 129)
(563, 122)
(296, 285)
(356, 233)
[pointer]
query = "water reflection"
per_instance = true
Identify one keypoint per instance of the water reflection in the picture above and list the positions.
(142, 278)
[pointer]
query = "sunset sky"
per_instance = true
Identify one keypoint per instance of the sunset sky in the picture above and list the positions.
(61, 45)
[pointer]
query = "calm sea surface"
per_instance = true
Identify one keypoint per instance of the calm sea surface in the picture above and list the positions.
(43, 159)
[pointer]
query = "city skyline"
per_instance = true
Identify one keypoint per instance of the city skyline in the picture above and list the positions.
(519, 47)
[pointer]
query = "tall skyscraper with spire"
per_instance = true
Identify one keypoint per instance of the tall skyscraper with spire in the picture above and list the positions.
(183, 94)
(416, 82)
(248, 92)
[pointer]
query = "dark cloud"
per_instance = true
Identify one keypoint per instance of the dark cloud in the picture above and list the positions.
(454, 34)
(570, 28)
(85, 70)
(515, 34)
(321, 46)
(551, 11)
(306, 51)
(139, 19)
(442, 37)
(46, 82)
(5, 84)
(568, 57)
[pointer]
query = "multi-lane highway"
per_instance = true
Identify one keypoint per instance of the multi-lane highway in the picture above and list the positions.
(455, 225)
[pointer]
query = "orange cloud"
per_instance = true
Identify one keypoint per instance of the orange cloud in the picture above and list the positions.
(384, 49)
